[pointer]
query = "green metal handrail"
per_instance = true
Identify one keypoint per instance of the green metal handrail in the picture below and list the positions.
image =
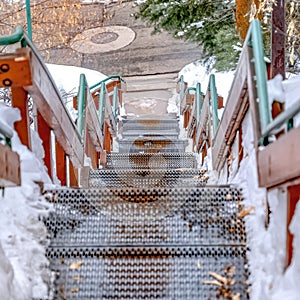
(199, 102)
(28, 17)
(96, 85)
(21, 36)
(115, 101)
(190, 89)
(81, 104)
(254, 37)
(214, 102)
(181, 92)
(14, 38)
(101, 105)
(285, 116)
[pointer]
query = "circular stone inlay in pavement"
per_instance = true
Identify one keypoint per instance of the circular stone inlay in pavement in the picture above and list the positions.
(102, 39)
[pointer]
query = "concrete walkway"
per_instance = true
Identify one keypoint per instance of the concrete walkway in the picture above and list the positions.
(127, 47)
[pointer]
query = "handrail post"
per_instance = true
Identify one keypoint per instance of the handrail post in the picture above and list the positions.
(101, 107)
(199, 102)
(115, 101)
(261, 74)
(181, 94)
(28, 16)
(214, 102)
(81, 104)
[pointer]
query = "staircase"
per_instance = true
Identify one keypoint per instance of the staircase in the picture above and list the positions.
(148, 227)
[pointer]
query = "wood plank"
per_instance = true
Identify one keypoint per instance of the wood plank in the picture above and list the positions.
(293, 199)
(280, 161)
(202, 126)
(15, 68)
(20, 101)
(252, 93)
(93, 124)
(61, 164)
(45, 134)
(73, 174)
(10, 174)
(232, 116)
(52, 109)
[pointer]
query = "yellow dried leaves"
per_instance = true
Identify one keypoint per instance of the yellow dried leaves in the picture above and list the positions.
(76, 265)
(224, 283)
(245, 211)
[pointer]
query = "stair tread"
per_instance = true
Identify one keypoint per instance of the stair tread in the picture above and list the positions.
(148, 227)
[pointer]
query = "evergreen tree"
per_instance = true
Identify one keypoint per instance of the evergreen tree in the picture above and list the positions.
(210, 23)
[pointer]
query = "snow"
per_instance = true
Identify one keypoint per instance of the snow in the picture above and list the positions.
(24, 269)
(267, 241)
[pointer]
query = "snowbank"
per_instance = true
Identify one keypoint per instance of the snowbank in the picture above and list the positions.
(24, 272)
(266, 238)
(24, 269)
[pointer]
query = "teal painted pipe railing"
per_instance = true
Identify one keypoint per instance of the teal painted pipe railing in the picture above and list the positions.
(254, 36)
(101, 105)
(20, 36)
(81, 104)
(199, 102)
(28, 16)
(115, 101)
(96, 85)
(214, 102)
(284, 117)
(16, 37)
(181, 88)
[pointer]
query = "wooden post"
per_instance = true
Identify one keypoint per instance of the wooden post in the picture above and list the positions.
(73, 175)
(45, 135)
(107, 139)
(293, 198)
(20, 101)
(278, 39)
(61, 164)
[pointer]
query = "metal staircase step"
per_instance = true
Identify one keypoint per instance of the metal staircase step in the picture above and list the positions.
(147, 273)
(145, 243)
(148, 145)
(151, 160)
(146, 178)
(145, 133)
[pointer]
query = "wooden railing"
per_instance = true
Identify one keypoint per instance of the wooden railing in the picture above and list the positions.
(26, 74)
(278, 162)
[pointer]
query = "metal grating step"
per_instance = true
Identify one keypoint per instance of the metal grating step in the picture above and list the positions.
(145, 243)
(151, 160)
(146, 273)
(156, 216)
(146, 178)
(148, 133)
(147, 145)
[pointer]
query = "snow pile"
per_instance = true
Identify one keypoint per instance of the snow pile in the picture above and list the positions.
(267, 240)
(24, 270)
(196, 72)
